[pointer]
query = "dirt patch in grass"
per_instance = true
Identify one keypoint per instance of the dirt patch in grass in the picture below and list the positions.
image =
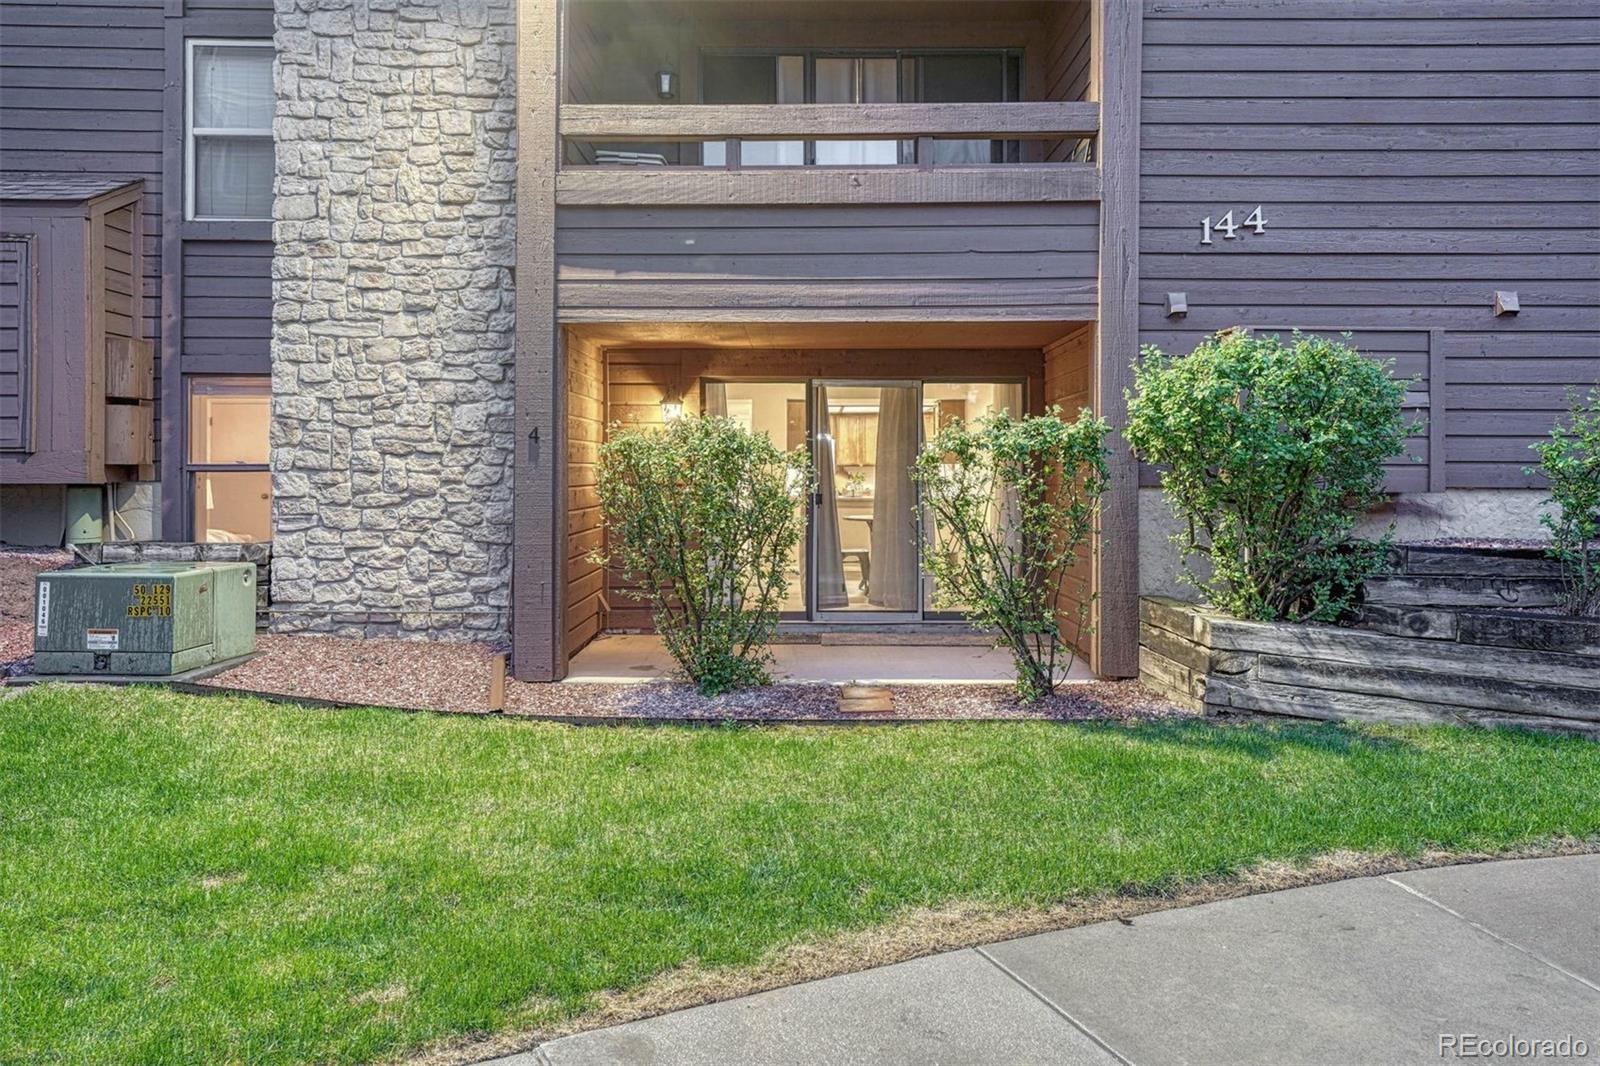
(931, 931)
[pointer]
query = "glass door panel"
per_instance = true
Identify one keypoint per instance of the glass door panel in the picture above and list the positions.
(943, 403)
(777, 409)
(867, 559)
(966, 78)
(754, 79)
(857, 80)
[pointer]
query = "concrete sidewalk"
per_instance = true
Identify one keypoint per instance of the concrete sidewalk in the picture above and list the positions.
(1375, 970)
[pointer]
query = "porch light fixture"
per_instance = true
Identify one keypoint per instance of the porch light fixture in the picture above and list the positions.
(666, 84)
(671, 410)
(1177, 304)
(1506, 303)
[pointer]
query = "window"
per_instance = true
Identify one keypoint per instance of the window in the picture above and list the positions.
(229, 479)
(229, 152)
(861, 78)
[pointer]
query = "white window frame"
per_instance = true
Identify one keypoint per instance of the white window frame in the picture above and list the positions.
(190, 131)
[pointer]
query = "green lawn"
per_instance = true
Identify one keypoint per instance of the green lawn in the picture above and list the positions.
(201, 880)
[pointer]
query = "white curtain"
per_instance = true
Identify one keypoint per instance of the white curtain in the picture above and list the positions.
(1008, 398)
(896, 569)
(716, 399)
(831, 594)
(233, 153)
(836, 84)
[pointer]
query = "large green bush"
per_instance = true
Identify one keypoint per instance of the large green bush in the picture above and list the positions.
(1011, 503)
(705, 516)
(1570, 460)
(1272, 452)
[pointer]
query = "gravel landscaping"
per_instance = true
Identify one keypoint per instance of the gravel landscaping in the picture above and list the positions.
(18, 568)
(455, 677)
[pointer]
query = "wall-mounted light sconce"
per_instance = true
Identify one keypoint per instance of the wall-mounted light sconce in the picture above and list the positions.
(1506, 303)
(671, 410)
(666, 84)
(1177, 304)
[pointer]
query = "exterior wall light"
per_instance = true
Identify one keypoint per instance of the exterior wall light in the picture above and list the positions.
(1177, 304)
(671, 410)
(666, 84)
(1506, 303)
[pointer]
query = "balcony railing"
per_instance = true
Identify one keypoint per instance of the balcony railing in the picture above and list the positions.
(918, 176)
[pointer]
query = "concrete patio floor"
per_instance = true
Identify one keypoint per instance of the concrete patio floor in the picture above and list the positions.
(1374, 970)
(620, 657)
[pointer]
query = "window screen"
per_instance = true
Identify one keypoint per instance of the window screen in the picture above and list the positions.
(230, 130)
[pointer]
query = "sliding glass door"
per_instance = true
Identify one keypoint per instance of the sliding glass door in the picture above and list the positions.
(861, 557)
(859, 77)
(867, 560)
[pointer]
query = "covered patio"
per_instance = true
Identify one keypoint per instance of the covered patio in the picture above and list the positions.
(859, 607)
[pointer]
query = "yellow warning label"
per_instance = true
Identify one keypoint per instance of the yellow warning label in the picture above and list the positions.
(151, 601)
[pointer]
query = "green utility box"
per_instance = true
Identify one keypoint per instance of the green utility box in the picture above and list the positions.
(151, 619)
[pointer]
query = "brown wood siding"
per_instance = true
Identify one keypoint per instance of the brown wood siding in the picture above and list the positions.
(123, 292)
(16, 341)
(227, 306)
(95, 87)
(81, 93)
(1062, 72)
(1411, 158)
(1069, 384)
(810, 262)
(586, 409)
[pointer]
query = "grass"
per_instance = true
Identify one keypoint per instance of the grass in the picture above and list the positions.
(187, 879)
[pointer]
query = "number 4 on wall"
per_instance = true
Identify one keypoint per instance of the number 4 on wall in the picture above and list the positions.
(1228, 227)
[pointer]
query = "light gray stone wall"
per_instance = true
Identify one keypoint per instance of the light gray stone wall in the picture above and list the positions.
(1491, 514)
(393, 334)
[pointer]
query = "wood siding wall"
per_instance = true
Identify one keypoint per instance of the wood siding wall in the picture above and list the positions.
(1069, 384)
(1411, 157)
(844, 262)
(81, 93)
(92, 87)
(1063, 73)
(586, 418)
(16, 340)
(227, 306)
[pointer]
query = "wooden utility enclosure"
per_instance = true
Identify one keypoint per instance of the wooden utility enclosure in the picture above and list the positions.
(77, 382)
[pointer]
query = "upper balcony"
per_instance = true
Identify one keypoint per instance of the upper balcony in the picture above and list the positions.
(815, 101)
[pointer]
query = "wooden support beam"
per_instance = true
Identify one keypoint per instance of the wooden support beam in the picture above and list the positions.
(538, 555)
(715, 122)
(1117, 33)
(1042, 183)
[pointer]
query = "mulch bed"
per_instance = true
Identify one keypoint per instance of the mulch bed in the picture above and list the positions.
(455, 677)
(18, 567)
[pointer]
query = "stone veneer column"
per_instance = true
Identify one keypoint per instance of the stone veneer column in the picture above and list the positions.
(393, 333)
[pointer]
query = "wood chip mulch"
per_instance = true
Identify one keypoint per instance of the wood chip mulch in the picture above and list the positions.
(18, 567)
(455, 677)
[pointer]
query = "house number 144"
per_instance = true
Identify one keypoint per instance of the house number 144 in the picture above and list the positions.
(1228, 227)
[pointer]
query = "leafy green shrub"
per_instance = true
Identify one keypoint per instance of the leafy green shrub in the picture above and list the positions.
(1570, 460)
(1273, 452)
(704, 515)
(1011, 504)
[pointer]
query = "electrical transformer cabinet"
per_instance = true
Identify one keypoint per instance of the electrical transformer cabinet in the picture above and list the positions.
(143, 618)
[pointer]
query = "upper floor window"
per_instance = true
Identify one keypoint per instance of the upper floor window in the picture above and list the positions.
(229, 151)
